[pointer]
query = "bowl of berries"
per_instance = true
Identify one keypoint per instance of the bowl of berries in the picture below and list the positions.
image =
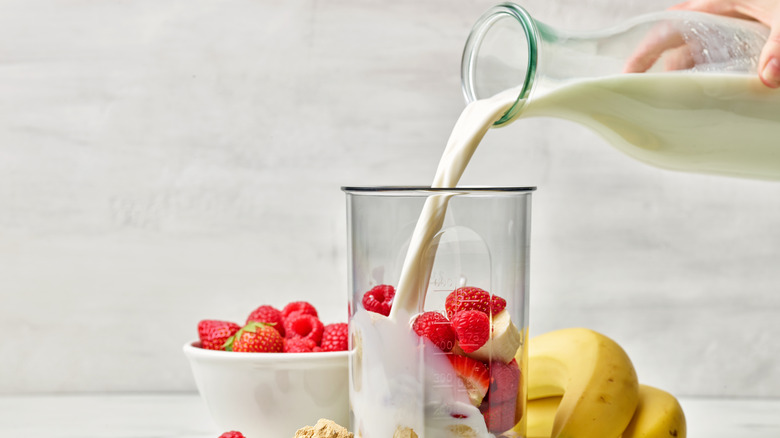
(279, 370)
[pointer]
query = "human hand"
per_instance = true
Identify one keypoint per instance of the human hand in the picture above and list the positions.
(763, 11)
(664, 40)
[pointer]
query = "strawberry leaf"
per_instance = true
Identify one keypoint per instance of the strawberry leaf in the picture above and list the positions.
(252, 326)
(228, 345)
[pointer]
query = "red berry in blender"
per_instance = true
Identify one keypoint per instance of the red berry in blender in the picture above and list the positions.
(379, 299)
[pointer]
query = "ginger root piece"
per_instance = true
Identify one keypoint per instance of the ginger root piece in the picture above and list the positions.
(323, 429)
(404, 432)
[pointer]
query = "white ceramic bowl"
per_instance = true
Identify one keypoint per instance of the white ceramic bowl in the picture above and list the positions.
(271, 394)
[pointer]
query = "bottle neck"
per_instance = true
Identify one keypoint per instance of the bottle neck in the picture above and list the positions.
(501, 53)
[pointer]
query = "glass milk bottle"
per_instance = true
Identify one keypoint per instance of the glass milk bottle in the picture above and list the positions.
(677, 90)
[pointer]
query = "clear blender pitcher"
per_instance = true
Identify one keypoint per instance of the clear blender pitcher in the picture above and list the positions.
(674, 89)
(415, 369)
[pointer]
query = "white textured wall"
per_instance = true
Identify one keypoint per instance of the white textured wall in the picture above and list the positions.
(164, 161)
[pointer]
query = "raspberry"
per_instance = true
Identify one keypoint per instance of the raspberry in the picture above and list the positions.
(335, 337)
(213, 333)
(232, 434)
(303, 325)
(299, 345)
(472, 328)
(379, 299)
(435, 327)
(269, 315)
(299, 306)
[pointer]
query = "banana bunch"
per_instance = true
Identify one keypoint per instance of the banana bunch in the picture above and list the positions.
(581, 384)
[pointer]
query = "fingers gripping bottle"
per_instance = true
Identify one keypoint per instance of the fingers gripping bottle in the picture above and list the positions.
(674, 89)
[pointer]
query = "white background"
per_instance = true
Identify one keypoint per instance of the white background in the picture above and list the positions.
(166, 161)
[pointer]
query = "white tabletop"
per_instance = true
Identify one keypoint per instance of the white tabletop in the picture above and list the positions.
(185, 416)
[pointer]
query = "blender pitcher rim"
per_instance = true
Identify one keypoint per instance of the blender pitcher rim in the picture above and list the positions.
(374, 189)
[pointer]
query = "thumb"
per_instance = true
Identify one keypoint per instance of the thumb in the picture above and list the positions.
(769, 62)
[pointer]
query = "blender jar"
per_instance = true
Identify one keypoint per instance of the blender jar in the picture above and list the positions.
(451, 362)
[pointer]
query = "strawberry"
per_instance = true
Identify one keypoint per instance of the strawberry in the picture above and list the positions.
(474, 374)
(303, 325)
(435, 327)
(335, 337)
(379, 299)
(467, 298)
(299, 306)
(269, 315)
(213, 333)
(299, 345)
(497, 304)
(473, 298)
(504, 381)
(499, 405)
(472, 328)
(256, 337)
(499, 417)
(232, 434)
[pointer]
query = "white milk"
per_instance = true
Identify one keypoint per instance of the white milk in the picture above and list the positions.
(412, 387)
(708, 123)
(711, 123)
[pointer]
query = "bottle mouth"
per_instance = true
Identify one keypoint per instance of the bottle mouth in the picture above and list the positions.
(500, 54)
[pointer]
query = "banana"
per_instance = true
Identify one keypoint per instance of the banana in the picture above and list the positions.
(658, 415)
(541, 414)
(504, 341)
(594, 377)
